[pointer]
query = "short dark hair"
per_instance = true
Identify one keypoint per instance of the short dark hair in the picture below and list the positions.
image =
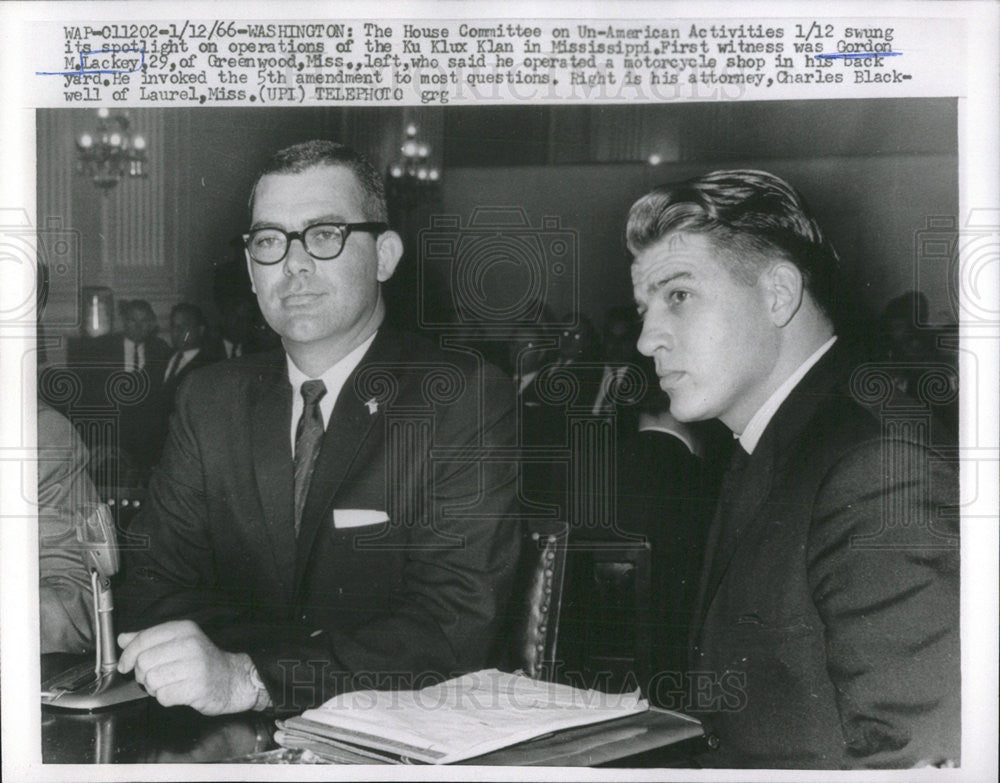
(750, 216)
(190, 309)
(132, 305)
(318, 152)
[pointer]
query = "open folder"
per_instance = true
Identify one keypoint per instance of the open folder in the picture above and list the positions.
(454, 720)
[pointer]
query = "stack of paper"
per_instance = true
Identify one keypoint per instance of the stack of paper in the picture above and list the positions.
(454, 720)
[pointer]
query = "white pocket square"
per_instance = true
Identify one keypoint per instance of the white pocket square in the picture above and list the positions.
(358, 517)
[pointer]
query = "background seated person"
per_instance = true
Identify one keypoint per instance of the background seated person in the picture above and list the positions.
(665, 494)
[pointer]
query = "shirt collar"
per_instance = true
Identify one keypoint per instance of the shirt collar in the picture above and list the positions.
(750, 436)
(334, 378)
(180, 358)
(525, 379)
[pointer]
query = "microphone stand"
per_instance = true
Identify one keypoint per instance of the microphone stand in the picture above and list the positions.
(93, 686)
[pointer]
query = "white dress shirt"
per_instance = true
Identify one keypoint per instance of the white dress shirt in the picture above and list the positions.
(524, 381)
(611, 376)
(334, 380)
(134, 359)
(750, 436)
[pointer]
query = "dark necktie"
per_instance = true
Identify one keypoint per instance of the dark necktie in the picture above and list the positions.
(724, 524)
(308, 435)
(720, 531)
(737, 466)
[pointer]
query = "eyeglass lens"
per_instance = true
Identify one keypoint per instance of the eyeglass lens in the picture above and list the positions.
(322, 241)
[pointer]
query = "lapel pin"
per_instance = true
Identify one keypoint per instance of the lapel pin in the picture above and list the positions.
(372, 406)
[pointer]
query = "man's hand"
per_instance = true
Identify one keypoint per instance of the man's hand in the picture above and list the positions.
(177, 664)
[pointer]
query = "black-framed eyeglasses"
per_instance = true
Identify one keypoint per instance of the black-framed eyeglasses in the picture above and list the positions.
(322, 241)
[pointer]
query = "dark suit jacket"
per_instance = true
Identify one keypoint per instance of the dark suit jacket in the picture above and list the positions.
(107, 353)
(352, 602)
(140, 426)
(662, 490)
(203, 358)
(144, 432)
(827, 634)
(545, 407)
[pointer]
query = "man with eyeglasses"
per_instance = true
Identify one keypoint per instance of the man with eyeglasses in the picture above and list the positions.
(324, 518)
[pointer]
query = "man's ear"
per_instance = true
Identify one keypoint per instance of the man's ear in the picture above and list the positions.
(389, 247)
(785, 288)
(250, 262)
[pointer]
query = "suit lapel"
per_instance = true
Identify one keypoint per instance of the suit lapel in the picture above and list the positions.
(349, 425)
(736, 516)
(270, 422)
(733, 515)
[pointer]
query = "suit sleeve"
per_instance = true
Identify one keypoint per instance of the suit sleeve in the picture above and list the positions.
(65, 496)
(456, 581)
(169, 568)
(883, 570)
(441, 620)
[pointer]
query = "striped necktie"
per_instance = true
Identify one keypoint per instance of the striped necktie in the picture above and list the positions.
(308, 435)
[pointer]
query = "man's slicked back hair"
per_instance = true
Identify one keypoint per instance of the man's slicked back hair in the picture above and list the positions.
(751, 217)
(138, 306)
(319, 152)
(190, 309)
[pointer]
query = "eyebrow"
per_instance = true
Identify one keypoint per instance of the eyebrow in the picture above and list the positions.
(658, 282)
(332, 217)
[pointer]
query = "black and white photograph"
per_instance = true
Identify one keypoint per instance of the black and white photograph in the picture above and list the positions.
(605, 437)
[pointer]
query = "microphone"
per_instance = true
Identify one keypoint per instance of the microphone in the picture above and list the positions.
(92, 686)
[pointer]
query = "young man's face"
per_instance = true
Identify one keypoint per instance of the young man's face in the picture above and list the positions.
(619, 342)
(305, 300)
(236, 319)
(574, 343)
(710, 334)
(185, 331)
(139, 325)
